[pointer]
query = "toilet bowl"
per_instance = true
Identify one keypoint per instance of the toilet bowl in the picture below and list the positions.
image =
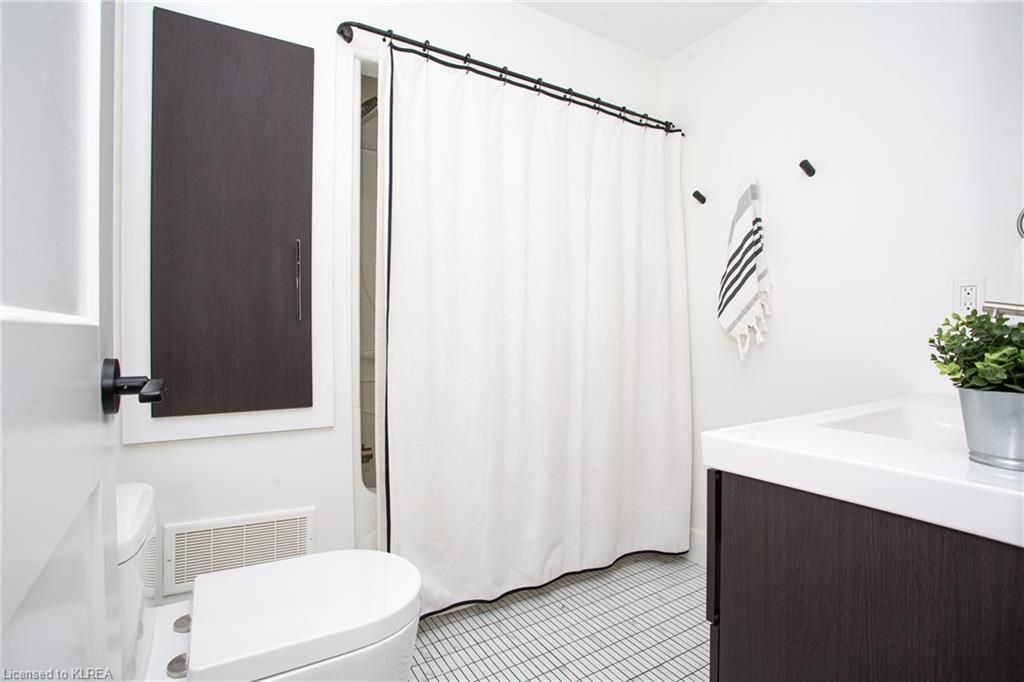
(340, 615)
(136, 525)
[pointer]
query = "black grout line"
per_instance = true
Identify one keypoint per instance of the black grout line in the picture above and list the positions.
(538, 599)
(664, 663)
(636, 655)
(620, 640)
(675, 634)
(552, 632)
(597, 599)
(629, 614)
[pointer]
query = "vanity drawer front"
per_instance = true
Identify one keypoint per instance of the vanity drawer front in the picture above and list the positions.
(812, 588)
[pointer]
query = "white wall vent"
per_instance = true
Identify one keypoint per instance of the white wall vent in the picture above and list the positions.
(191, 549)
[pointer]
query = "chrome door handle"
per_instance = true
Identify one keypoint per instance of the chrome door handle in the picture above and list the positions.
(298, 278)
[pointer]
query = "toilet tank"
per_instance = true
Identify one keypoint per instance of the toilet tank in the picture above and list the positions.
(136, 532)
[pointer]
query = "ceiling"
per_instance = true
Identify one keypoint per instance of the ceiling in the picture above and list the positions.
(657, 29)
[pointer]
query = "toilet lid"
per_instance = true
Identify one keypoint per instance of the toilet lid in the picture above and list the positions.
(257, 621)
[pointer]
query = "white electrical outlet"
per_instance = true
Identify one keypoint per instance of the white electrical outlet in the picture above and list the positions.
(968, 295)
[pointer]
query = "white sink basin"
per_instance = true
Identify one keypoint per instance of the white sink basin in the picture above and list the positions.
(907, 456)
(938, 425)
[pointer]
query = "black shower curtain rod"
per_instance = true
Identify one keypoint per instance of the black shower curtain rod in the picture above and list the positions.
(503, 74)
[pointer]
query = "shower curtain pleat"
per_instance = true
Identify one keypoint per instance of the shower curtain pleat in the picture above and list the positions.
(536, 402)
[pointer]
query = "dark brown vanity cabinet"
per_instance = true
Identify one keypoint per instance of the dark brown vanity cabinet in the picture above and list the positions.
(808, 588)
(232, 144)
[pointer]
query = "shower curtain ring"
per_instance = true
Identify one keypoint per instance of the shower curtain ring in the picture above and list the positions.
(537, 84)
(466, 61)
(622, 113)
(426, 48)
(504, 75)
(568, 97)
(597, 106)
(390, 36)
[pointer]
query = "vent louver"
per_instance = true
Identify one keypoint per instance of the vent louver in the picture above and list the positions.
(192, 549)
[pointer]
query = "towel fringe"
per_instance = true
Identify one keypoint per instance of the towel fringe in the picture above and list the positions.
(766, 298)
(743, 343)
(758, 321)
(754, 329)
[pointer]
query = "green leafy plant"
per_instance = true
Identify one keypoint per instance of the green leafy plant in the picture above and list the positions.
(981, 352)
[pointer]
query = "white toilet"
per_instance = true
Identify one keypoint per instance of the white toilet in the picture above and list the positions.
(136, 526)
(342, 615)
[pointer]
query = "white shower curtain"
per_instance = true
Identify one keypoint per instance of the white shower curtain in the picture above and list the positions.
(535, 336)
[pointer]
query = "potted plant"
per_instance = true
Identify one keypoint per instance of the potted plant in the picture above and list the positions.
(984, 357)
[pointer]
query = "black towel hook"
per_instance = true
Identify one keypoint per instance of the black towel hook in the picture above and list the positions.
(807, 168)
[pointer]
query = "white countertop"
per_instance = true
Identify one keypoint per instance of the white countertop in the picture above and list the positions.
(907, 456)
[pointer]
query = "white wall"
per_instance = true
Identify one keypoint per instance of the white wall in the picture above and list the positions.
(912, 115)
(196, 479)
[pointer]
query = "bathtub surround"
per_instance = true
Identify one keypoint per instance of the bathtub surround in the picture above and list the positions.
(535, 414)
(365, 483)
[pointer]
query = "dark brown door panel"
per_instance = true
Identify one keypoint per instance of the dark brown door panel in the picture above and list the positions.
(231, 214)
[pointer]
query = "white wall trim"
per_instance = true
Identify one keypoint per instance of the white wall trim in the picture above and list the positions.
(138, 424)
(12, 313)
(698, 547)
(350, 59)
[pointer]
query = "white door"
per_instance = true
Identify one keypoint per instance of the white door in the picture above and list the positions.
(59, 555)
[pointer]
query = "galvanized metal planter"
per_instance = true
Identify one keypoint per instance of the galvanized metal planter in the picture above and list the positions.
(994, 421)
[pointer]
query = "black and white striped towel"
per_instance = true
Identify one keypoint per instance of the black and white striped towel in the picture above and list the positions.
(744, 296)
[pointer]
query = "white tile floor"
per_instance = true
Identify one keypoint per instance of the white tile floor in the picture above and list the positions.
(643, 618)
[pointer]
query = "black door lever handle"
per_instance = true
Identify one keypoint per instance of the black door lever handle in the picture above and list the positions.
(152, 391)
(113, 386)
